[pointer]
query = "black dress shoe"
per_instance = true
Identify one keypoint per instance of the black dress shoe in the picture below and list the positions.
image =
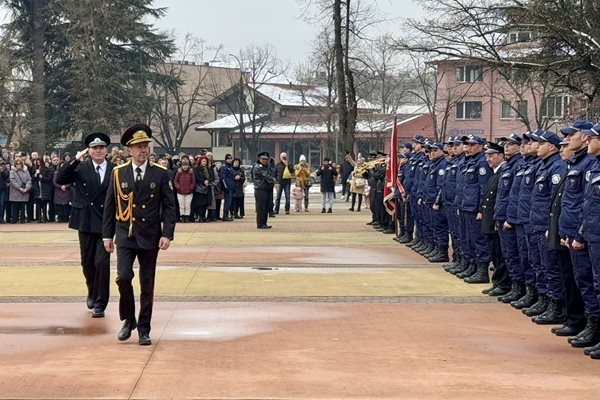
(565, 330)
(125, 332)
(264, 227)
(145, 339)
(97, 313)
(488, 290)
(89, 302)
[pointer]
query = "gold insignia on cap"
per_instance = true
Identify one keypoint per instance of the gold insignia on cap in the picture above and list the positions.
(139, 137)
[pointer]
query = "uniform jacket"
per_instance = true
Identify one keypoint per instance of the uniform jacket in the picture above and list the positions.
(435, 181)
(88, 201)
(263, 178)
(507, 174)
(451, 175)
(152, 212)
(488, 201)
(546, 180)
(590, 228)
(414, 174)
(527, 183)
(460, 181)
(572, 198)
(476, 178)
(512, 209)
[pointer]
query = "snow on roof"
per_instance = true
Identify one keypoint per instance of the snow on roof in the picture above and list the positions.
(412, 109)
(229, 122)
(295, 95)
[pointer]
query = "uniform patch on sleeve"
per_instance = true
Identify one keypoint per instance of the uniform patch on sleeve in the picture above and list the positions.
(482, 171)
(441, 172)
(555, 179)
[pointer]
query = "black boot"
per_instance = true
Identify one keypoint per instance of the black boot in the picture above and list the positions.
(461, 267)
(440, 256)
(421, 246)
(539, 307)
(481, 275)
(590, 335)
(415, 242)
(405, 239)
(588, 350)
(526, 301)
(553, 314)
(426, 249)
(434, 249)
(455, 261)
(467, 272)
(516, 292)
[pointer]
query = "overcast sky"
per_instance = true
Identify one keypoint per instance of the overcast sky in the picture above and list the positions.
(238, 23)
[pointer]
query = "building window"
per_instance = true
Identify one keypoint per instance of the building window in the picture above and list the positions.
(518, 37)
(469, 73)
(556, 106)
(505, 110)
(521, 107)
(468, 110)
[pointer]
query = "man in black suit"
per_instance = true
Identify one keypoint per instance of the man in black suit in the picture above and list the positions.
(90, 179)
(139, 212)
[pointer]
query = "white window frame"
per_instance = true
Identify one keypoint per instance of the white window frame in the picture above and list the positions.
(505, 110)
(469, 73)
(461, 107)
(518, 103)
(558, 104)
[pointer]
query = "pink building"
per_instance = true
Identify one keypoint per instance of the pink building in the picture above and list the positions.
(480, 101)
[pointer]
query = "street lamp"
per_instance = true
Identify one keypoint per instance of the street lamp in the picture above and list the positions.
(242, 102)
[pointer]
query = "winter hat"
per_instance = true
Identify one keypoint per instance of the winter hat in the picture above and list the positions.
(302, 158)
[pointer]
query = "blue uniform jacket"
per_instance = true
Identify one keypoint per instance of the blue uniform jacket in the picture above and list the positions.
(477, 175)
(512, 209)
(422, 182)
(590, 225)
(546, 180)
(451, 175)
(435, 181)
(508, 171)
(460, 182)
(525, 193)
(415, 173)
(572, 199)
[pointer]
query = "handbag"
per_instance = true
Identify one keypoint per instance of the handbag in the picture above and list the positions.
(360, 182)
(201, 189)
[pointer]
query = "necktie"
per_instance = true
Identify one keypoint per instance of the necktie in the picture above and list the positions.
(138, 177)
(98, 173)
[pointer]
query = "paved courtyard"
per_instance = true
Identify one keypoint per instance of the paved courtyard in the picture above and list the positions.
(319, 307)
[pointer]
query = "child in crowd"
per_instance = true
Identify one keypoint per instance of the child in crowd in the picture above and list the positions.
(298, 195)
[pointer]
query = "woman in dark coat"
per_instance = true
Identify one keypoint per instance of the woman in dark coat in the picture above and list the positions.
(238, 189)
(62, 199)
(203, 188)
(42, 181)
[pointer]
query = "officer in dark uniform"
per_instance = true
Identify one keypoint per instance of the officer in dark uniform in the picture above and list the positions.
(90, 180)
(455, 149)
(548, 309)
(589, 230)
(477, 175)
(461, 228)
(434, 202)
(581, 279)
(139, 212)
(264, 181)
(412, 187)
(400, 196)
(424, 214)
(529, 254)
(494, 155)
(507, 233)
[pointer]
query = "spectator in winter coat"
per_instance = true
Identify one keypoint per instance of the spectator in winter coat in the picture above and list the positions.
(20, 185)
(328, 176)
(283, 175)
(238, 190)
(42, 181)
(185, 181)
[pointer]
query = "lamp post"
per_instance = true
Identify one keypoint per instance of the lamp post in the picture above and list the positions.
(242, 102)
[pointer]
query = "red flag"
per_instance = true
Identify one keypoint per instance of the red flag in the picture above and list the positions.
(391, 174)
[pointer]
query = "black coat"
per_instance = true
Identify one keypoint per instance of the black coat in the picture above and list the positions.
(152, 212)
(41, 185)
(88, 200)
(553, 236)
(328, 176)
(488, 202)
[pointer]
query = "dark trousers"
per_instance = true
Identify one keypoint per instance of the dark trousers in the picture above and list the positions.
(546, 269)
(238, 206)
(95, 262)
(500, 277)
(440, 227)
(284, 188)
(360, 197)
(594, 250)
(479, 249)
(510, 250)
(584, 279)
(147, 260)
(227, 204)
(524, 272)
(17, 212)
(262, 201)
(41, 210)
(573, 306)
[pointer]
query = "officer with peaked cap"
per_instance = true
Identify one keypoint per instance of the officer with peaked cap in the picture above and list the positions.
(548, 309)
(435, 206)
(139, 213)
(90, 180)
(507, 232)
(589, 229)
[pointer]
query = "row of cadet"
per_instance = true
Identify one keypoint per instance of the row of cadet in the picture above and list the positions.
(529, 205)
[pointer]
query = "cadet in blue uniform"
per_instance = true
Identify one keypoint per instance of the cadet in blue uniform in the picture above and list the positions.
(507, 233)
(139, 212)
(455, 149)
(434, 202)
(523, 214)
(461, 170)
(477, 175)
(548, 309)
(589, 230)
(417, 162)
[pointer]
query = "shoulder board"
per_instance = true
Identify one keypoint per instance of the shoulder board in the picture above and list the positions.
(123, 165)
(152, 164)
